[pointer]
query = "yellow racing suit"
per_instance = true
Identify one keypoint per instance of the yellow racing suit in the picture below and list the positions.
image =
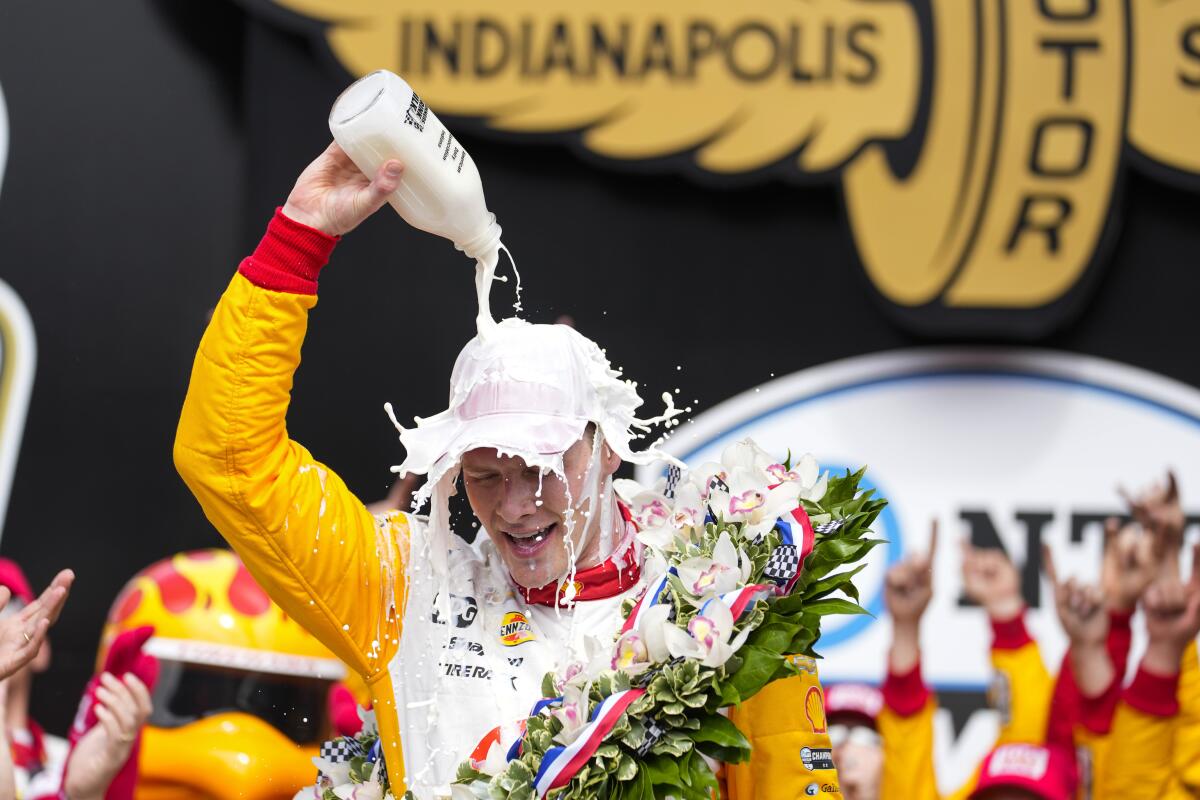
(325, 559)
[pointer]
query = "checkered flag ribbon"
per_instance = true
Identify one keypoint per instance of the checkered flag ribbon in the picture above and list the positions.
(783, 566)
(653, 734)
(673, 475)
(829, 527)
(341, 750)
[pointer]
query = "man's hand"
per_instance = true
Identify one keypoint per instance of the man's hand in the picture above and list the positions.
(1082, 614)
(22, 634)
(908, 588)
(1172, 610)
(1158, 510)
(333, 196)
(991, 580)
(1080, 607)
(122, 708)
(1132, 560)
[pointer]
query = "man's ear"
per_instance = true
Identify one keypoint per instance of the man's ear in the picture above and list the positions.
(610, 460)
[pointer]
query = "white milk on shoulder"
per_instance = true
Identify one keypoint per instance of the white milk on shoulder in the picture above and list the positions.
(380, 117)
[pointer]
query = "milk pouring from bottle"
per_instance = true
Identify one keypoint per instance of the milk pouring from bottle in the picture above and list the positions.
(380, 117)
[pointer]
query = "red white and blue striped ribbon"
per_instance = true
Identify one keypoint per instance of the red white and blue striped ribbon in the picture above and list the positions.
(650, 598)
(807, 538)
(741, 599)
(560, 764)
(514, 751)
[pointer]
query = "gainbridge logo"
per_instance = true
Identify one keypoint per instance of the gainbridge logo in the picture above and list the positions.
(979, 144)
(17, 356)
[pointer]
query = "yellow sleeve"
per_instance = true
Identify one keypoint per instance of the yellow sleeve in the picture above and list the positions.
(908, 771)
(300, 531)
(1023, 685)
(1186, 755)
(792, 756)
(906, 727)
(1140, 744)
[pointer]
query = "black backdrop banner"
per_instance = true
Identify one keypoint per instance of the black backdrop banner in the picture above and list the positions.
(149, 145)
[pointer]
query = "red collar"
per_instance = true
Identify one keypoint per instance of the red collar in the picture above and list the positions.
(603, 580)
(31, 755)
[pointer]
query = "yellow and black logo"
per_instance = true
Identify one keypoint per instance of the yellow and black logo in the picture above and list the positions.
(515, 629)
(978, 143)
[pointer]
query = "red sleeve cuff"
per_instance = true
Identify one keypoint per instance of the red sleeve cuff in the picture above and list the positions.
(289, 257)
(905, 694)
(1154, 694)
(1096, 713)
(1010, 634)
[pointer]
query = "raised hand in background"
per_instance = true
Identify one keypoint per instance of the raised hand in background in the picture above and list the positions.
(991, 580)
(1084, 618)
(908, 588)
(1132, 560)
(22, 634)
(1172, 611)
(1158, 510)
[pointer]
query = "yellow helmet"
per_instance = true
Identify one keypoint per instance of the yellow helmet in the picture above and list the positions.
(240, 705)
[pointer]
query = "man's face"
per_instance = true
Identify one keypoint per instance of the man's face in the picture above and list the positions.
(859, 759)
(529, 529)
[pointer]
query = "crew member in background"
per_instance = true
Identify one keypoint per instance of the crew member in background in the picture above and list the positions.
(37, 756)
(853, 711)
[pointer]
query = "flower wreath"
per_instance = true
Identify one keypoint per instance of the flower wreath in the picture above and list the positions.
(743, 558)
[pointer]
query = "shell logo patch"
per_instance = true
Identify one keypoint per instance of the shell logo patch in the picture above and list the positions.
(515, 629)
(814, 709)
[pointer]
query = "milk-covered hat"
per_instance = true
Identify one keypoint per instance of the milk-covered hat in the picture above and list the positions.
(530, 391)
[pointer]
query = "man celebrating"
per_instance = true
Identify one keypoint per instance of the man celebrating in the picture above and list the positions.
(452, 639)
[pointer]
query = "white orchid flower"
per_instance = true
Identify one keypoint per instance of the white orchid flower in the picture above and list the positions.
(805, 473)
(627, 489)
(660, 538)
(337, 773)
(653, 626)
(689, 508)
(313, 792)
(630, 654)
(725, 571)
(370, 790)
(650, 510)
(709, 638)
(702, 478)
(572, 713)
(746, 455)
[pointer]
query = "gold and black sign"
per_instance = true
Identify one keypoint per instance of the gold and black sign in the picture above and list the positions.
(979, 144)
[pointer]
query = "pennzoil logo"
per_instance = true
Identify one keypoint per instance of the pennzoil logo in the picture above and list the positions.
(515, 629)
(18, 353)
(979, 145)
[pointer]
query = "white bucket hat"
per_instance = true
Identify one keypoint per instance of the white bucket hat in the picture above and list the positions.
(530, 391)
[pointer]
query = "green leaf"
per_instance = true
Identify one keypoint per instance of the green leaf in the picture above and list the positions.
(662, 770)
(720, 739)
(758, 665)
(834, 605)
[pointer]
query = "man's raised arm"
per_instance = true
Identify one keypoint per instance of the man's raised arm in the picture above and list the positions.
(303, 535)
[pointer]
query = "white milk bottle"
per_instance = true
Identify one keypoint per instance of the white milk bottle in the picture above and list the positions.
(380, 117)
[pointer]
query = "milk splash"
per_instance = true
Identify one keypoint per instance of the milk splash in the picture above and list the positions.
(485, 276)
